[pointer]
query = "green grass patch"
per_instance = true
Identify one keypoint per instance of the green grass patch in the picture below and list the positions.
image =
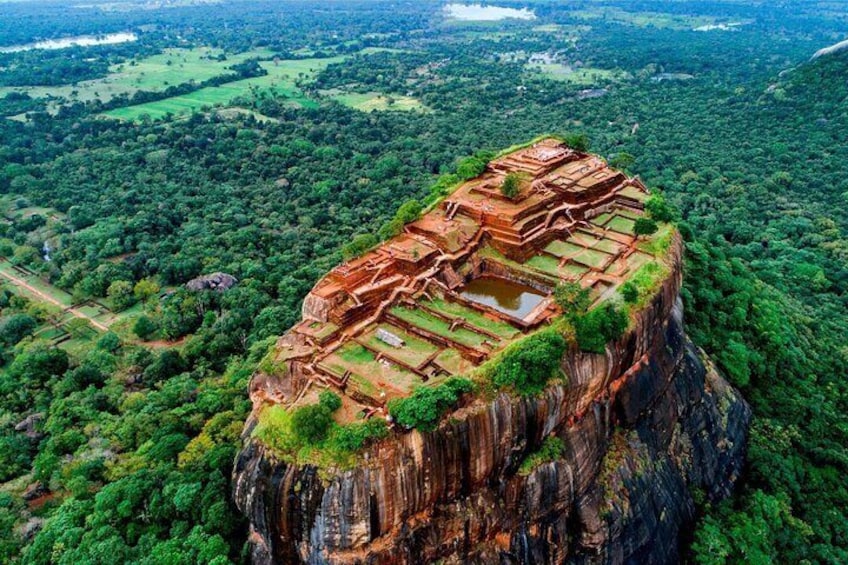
(634, 193)
(414, 351)
(642, 19)
(573, 271)
(49, 333)
(582, 76)
(430, 323)
(172, 67)
(658, 243)
(280, 80)
(473, 317)
(545, 263)
(632, 214)
(636, 260)
(562, 248)
(647, 279)
(602, 219)
(77, 348)
(621, 225)
(367, 373)
(551, 449)
(38, 284)
(453, 362)
(371, 101)
(89, 310)
(592, 258)
(355, 354)
(583, 239)
(608, 246)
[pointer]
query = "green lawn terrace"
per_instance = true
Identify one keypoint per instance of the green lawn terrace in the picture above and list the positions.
(460, 284)
(69, 323)
(417, 343)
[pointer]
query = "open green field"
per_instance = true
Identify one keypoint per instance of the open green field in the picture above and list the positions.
(281, 81)
(602, 219)
(490, 252)
(643, 19)
(55, 300)
(369, 101)
(548, 264)
(637, 259)
(572, 271)
(156, 73)
(14, 207)
(582, 76)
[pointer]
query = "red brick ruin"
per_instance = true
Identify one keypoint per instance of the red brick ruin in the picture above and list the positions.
(399, 316)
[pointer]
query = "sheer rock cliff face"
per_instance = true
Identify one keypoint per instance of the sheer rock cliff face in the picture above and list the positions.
(644, 426)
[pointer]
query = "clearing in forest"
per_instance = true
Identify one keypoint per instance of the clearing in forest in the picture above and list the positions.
(284, 79)
(582, 76)
(369, 101)
(156, 73)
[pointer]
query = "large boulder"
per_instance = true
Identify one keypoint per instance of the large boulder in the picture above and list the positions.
(214, 281)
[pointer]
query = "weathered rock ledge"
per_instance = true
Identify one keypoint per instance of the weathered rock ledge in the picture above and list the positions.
(644, 426)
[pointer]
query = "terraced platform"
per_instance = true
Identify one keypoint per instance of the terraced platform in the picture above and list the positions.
(401, 316)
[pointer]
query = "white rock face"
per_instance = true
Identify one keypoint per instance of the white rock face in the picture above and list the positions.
(832, 49)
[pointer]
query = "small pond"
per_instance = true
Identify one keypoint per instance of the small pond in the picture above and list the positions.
(504, 295)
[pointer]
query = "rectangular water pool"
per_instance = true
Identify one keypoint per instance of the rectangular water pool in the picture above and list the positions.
(512, 298)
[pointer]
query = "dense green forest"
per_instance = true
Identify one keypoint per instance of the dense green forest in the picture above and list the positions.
(117, 446)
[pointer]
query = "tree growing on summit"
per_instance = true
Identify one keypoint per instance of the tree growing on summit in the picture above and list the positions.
(644, 226)
(511, 185)
(359, 245)
(621, 160)
(601, 325)
(572, 298)
(577, 141)
(629, 292)
(658, 208)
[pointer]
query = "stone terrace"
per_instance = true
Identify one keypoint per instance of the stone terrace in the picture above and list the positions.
(398, 317)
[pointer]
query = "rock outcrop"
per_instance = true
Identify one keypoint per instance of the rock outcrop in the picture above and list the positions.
(214, 281)
(644, 427)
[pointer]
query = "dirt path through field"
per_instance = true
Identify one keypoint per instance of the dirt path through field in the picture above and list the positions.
(51, 300)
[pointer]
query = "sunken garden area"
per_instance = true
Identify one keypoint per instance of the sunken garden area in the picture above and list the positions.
(472, 275)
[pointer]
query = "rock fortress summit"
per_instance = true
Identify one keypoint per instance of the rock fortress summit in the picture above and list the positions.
(407, 314)
(598, 466)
